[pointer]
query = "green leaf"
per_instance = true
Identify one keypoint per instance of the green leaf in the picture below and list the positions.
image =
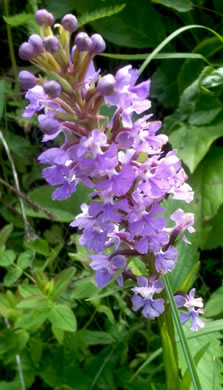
(131, 28)
(89, 17)
(7, 257)
(25, 259)
(65, 210)
(32, 320)
(62, 317)
(178, 5)
(169, 360)
(193, 142)
(91, 337)
(83, 288)
(214, 238)
(36, 302)
(62, 281)
(18, 20)
(58, 333)
(107, 311)
(28, 290)
(214, 306)
(6, 230)
(214, 79)
(12, 276)
(39, 246)
(186, 381)
(183, 341)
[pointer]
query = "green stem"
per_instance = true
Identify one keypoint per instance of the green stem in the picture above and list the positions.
(10, 42)
(183, 341)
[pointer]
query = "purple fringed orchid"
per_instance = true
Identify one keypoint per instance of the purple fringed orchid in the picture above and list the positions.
(121, 159)
(190, 303)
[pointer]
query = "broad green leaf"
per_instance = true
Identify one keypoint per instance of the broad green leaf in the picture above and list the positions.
(28, 290)
(89, 17)
(18, 20)
(214, 238)
(91, 337)
(193, 142)
(207, 183)
(62, 281)
(107, 311)
(214, 79)
(190, 278)
(25, 259)
(32, 319)
(12, 276)
(39, 246)
(214, 306)
(186, 381)
(178, 5)
(6, 230)
(58, 333)
(62, 317)
(205, 365)
(199, 118)
(65, 210)
(36, 302)
(83, 288)
(131, 28)
(7, 257)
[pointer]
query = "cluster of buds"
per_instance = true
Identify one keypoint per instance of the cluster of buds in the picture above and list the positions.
(120, 159)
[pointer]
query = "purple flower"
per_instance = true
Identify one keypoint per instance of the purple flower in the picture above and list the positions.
(37, 43)
(26, 79)
(83, 41)
(26, 51)
(166, 261)
(97, 44)
(52, 88)
(43, 17)
(36, 96)
(146, 289)
(190, 302)
(119, 183)
(69, 22)
(184, 221)
(106, 267)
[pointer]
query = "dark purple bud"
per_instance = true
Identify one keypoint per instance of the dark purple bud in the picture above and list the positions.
(52, 88)
(106, 85)
(51, 44)
(26, 79)
(82, 41)
(69, 22)
(48, 125)
(37, 43)
(43, 17)
(26, 51)
(98, 44)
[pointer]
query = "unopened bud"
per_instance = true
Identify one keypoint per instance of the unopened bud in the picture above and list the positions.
(48, 125)
(26, 51)
(98, 44)
(52, 88)
(83, 42)
(51, 44)
(37, 43)
(106, 85)
(43, 17)
(26, 80)
(69, 22)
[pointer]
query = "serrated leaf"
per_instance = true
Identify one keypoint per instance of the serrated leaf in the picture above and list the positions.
(19, 19)
(99, 14)
(178, 5)
(7, 257)
(193, 142)
(62, 317)
(25, 259)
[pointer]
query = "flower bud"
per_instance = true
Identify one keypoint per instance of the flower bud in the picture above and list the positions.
(82, 41)
(26, 51)
(106, 85)
(52, 88)
(51, 44)
(43, 17)
(69, 22)
(98, 44)
(37, 43)
(48, 125)
(26, 79)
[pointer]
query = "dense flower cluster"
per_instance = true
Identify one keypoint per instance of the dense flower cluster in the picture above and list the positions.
(121, 160)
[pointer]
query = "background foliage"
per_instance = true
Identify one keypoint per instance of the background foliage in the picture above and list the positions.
(67, 334)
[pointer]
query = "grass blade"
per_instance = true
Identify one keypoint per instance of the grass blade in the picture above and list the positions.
(159, 56)
(183, 341)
